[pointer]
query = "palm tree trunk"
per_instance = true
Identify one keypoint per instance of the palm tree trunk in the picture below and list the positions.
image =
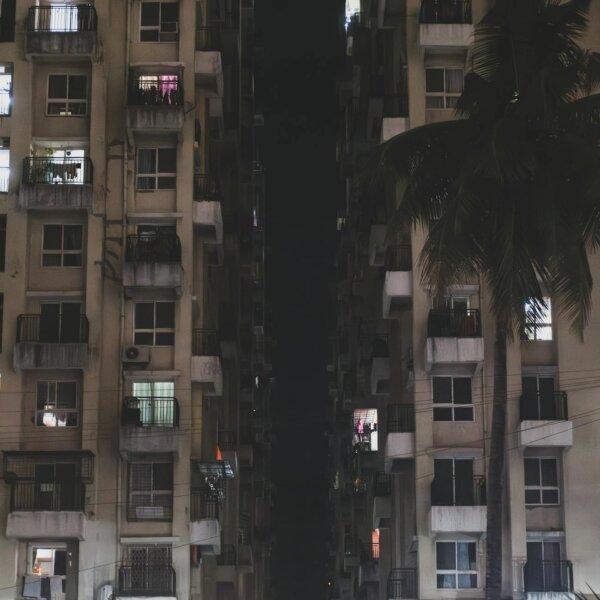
(495, 488)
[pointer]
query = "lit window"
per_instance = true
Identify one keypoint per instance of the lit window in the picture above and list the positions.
(365, 430)
(156, 168)
(56, 404)
(452, 400)
(443, 86)
(159, 22)
(541, 482)
(5, 89)
(538, 320)
(150, 491)
(46, 566)
(4, 164)
(62, 246)
(154, 324)
(456, 565)
(67, 96)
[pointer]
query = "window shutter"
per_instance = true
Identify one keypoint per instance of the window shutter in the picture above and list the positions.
(7, 21)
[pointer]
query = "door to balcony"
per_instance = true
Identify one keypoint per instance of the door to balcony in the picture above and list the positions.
(544, 570)
(55, 487)
(60, 322)
(453, 482)
(539, 399)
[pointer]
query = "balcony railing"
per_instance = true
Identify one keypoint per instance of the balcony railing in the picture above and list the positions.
(448, 322)
(446, 11)
(206, 187)
(150, 411)
(52, 495)
(155, 90)
(227, 557)
(398, 258)
(544, 407)
(66, 171)
(204, 504)
(59, 330)
(147, 580)
(62, 19)
(227, 440)
(459, 492)
(160, 247)
(208, 39)
(548, 576)
(401, 418)
(205, 342)
(402, 583)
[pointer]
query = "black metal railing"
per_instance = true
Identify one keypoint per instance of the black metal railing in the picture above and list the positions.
(446, 11)
(401, 418)
(51, 495)
(398, 258)
(459, 492)
(402, 583)
(205, 342)
(227, 557)
(548, 576)
(150, 411)
(206, 187)
(382, 485)
(66, 171)
(62, 329)
(544, 406)
(448, 322)
(204, 504)
(227, 440)
(147, 580)
(155, 90)
(395, 106)
(62, 19)
(159, 247)
(208, 39)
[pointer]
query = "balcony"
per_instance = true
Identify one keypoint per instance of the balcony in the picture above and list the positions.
(446, 24)
(380, 376)
(398, 284)
(146, 580)
(152, 261)
(545, 420)
(45, 342)
(155, 103)
(149, 425)
(227, 442)
(47, 494)
(53, 183)
(368, 572)
(61, 32)
(208, 61)
(400, 439)
(207, 217)
(382, 505)
(454, 342)
(402, 584)
(552, 578)
(205, 529)
(227, 565)
(394, 119)
(352, 552)
(377, 245)
(206, 362)
(458, 506)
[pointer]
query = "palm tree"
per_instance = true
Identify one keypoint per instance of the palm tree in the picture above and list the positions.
(512, 190)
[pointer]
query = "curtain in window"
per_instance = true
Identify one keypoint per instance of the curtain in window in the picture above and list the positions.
(454, 81)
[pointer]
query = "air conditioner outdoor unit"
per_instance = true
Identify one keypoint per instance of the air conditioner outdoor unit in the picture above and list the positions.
(105, 592)
(136, 355)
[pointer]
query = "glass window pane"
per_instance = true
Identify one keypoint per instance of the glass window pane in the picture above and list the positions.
(77, 87)
(549, 472)
(143, 338)
(532, 471)
(51, 260)
(73, 235)
(445, 558)
(434, 102)
(454, 81)
(550, 496)
(467, 581)
(463, 414)
(446, 581)
(144, 315)
(52, 237)
(149, 35)
(170, 11)
(462, 390)
(165, 338)
(165, 315)
(150, 13)
(167, 160)
(146, 183)
(532, 497)
(442, 390)
(434, 80)
(146, 162)
(442, 414)
(167, 183)
(140, 476)
(66, 394)
(57, 86)
(163, 476)
(72, 260)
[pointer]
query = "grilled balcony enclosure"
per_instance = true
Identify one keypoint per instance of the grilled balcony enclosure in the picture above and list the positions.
(402, 584)
(227, 565)
(147, 580)
(207, 212)
(548, 576)
(148, 425)
(61, 32)
(446, 24)
(208, 67)
(206, 362)
(51, 342)
(446, 11)
(545, 420)
(205, 528)
(400, 438)
(448, 322)
(398, 284)
(56, 183)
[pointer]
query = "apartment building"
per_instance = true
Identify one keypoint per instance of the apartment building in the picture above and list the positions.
(411, 381)
(135, 391)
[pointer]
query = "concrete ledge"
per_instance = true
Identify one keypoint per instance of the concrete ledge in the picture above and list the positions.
(464, 354)
(66, 44)
(398, 446)
(382, 512)
(37, 355)
(207, 371)
(155, 118)
(449, 519)
(397, 287)
(208, 68)
(445, 35)
(26, 525)
(546, 433)
(206, 533)
(44, 196)
(380, 376)
(208, 221)
(392, 126)
(143, 440)
(152, 275)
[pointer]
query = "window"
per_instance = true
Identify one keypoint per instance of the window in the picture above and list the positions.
(159, 22)
(454, 483)
(46, 567)
(5, 89)
(456, 565)
(2, 242)
(61, 322)
(150, 491)
(67, 96)
(156, 168)
(4, 164)
(541, 482)
(154, 324)
(62, 246)
(452, 400)
(155, 402)
(540, 401)
(443, 86)
(538, 320)
(7, 20)
(56, 404)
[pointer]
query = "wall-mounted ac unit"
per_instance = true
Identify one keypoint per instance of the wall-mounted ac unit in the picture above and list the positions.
(137, 356)
(105, 592)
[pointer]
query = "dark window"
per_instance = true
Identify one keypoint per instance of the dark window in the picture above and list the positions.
(456, 565)
(56, 404)
(2, 242)
(541, 482)
(154, 324)
(62, 246)
(156, 168)
(67, 95)
(452, 399)
(150, 491)
(7, 20)
(159, 22)
(443, 86)
(6, 80)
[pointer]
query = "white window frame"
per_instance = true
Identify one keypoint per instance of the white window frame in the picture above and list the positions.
(456, 572)
(156, 175)
(4, 165)
(61, 252)
(531, 332)
(444, 94)
(6, 91)
(159, 27)
(51, 404)
(541, 487)
(452, 405)
(154, 330)
(67, 101)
